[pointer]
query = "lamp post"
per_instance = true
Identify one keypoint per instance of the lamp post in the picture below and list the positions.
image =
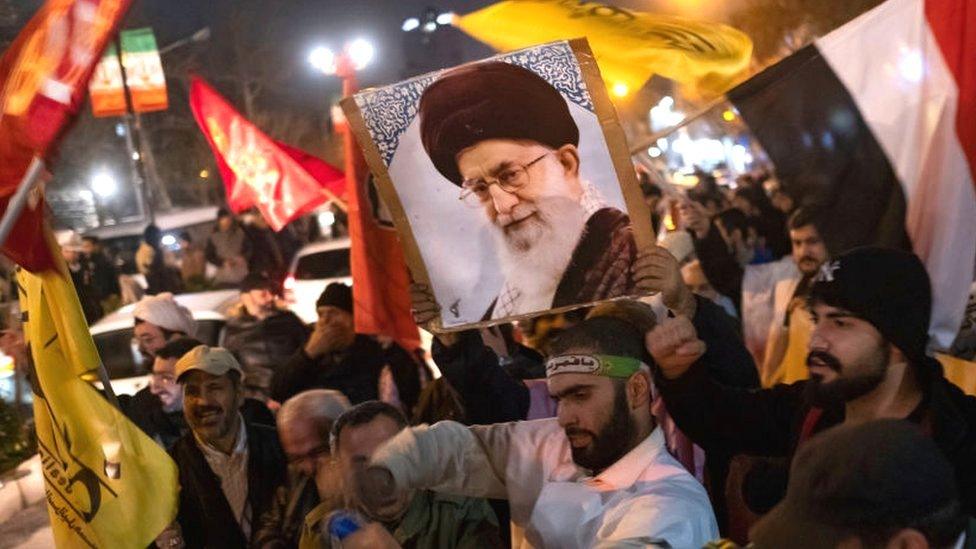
(354, 56)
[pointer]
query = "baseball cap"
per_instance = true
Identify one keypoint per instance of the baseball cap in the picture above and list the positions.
(215, 361)
(876, 476)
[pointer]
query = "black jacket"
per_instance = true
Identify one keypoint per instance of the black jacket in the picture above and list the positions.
(262, 345)
(769, 422)
(489, 392)
(205, 517)
(102, 274)
(281, 525)
(719, 265)
(354, 371)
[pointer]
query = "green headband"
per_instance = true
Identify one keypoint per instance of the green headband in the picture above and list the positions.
(600, 365)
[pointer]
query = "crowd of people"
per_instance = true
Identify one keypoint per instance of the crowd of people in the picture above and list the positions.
(768, 393)
(236, 247)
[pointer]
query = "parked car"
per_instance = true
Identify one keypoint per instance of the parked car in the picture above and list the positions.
(124, 238)
(113, 336)
(315, 266)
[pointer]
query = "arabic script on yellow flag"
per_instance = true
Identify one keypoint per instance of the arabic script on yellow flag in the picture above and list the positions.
(107, 483)
(629, 46)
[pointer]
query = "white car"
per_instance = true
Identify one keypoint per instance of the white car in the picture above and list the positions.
(124, 238)
(314, 267)
(113, 336)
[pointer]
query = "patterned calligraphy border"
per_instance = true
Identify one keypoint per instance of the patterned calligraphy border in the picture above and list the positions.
(387, 111)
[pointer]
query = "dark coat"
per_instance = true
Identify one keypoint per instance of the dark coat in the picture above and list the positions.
(602, 263)
(262, 345)
(265, 255)
(161, 277)
(489, 393)
(719, 264)
(102, 274)
(281, 525)
(354, 371)
(769, 422)
(601, 266)
(205, 517)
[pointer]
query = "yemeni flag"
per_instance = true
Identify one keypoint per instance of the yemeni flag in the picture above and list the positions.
(876, 121)
(43, 78)
(143, 70)
(283, 182)
(106, 88)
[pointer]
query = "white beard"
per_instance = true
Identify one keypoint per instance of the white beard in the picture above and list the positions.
(535, 259)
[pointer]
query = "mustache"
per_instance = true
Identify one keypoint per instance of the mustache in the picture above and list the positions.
(808, 258)
(200, 410)
(573, 431)
(825, 358)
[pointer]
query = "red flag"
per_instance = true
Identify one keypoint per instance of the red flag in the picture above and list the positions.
(43, 76)
(255, 169)
(329, 177)
(381, 282)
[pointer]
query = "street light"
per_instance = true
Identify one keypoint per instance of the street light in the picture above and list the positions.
(355, 56)
(199, 36)
(410, 24)
(103, 184)
(323, 59)
(360, 52)
(428, 22)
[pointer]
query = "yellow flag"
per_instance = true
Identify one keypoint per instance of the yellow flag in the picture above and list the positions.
(629, 46)
(107, 483)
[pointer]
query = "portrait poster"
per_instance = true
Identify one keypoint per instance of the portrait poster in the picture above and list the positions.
(509, 182)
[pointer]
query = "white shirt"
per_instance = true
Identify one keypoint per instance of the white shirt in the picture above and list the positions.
(644, 498)
(231, 469)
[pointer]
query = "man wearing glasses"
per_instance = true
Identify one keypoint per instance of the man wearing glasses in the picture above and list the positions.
(506, 137)
(304, 423)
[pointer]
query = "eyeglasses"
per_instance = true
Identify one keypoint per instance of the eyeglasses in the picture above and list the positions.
(319, 450)
(510, 179)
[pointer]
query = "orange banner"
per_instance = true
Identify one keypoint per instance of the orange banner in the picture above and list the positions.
(43, 78)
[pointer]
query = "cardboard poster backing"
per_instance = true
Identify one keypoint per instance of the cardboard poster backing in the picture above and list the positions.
(612, 134)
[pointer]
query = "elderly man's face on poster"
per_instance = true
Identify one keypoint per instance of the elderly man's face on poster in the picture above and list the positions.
(508, 187)
(526, 189)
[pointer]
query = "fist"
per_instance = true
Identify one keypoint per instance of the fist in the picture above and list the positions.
(675, 346)
(694, 217)
(423, 306)
(376, 489)
(656, 270)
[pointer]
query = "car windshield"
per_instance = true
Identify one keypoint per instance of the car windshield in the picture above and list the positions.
(122, 358)
(327, 264)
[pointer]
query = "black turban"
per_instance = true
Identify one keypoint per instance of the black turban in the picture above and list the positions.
(493, 100)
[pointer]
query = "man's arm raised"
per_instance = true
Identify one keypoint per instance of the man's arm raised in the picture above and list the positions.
(445, 457)
(715, 416)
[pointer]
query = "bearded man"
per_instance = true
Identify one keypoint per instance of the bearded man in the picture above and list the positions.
(599, 474)
(870, 312)
(229, 468)
(506, 137)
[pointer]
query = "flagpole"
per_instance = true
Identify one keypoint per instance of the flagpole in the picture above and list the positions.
(643, 144)
(19, 199)
(14, 208)
(336, 200)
